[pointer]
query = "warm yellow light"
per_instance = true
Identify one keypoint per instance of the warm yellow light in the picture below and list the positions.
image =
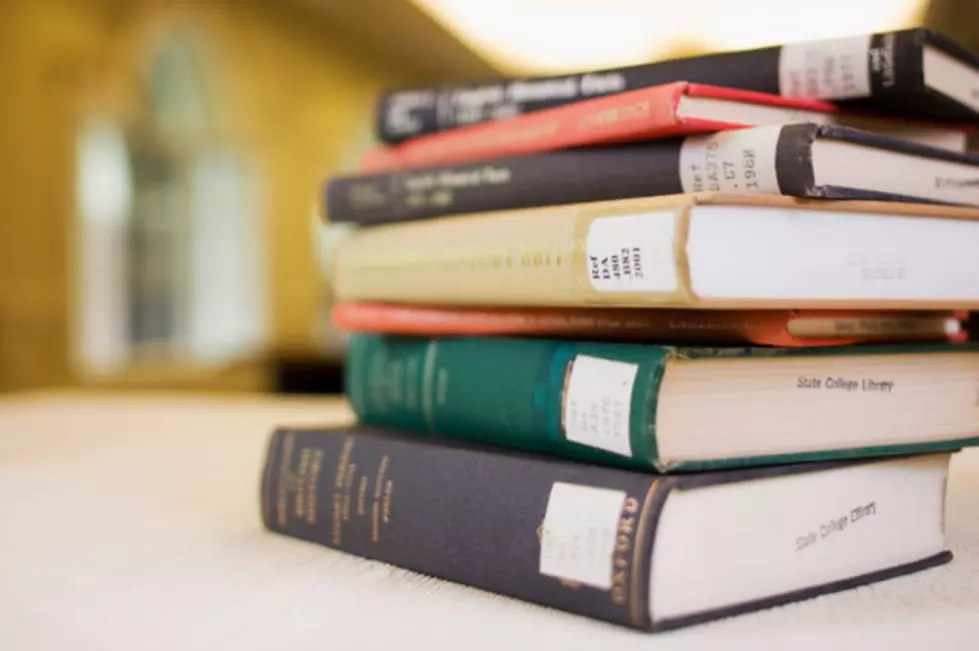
(546, 36)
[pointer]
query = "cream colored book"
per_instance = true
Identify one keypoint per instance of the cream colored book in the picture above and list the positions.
(711, 250)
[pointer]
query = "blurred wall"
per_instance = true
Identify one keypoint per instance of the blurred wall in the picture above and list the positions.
(289, 95)
(958, 19)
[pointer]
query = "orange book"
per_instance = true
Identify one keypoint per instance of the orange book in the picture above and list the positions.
(676, 109)
(785, 328)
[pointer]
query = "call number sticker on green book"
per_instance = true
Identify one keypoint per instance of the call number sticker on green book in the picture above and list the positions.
(596, 403)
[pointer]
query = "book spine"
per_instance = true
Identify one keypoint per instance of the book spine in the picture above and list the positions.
(561, 177)
(773, 159)
(795, 174)
(711, 327)
(779, 160)
(593, 402)
(878, 73)
(766, 160)
(884, 66)
(410, 113)
(636, 115)
(950, 177)
(895, 64)
(874, 71)
(498, 522)
(627, 253)
(769, 327)
(769, 160)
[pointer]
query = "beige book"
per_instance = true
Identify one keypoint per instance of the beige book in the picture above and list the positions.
(711, 250)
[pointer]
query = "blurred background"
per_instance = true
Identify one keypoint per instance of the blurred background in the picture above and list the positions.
(161, 161)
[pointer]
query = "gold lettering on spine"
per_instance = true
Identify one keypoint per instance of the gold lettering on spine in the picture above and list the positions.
(518, 135)
(316, 462)
(286, 480)
(301, 482)
(637, 608)
(428, 384)
(341, 499)
(347, 489)
(541, 257)
(299, 508)
(386, 506)
(608, 116)
(337, 529)
(362, 495)
(379, 483)
(411, 383)
(620, 558)
(343, 461)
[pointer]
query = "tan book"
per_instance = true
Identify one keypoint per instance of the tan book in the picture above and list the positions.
(710, 250)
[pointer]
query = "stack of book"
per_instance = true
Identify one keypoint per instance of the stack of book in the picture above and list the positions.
(660, 344)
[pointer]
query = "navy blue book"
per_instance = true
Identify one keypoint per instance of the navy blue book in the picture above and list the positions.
(801, 160)
(637, 549)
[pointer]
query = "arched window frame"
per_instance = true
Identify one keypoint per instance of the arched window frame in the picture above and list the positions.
(177, 271)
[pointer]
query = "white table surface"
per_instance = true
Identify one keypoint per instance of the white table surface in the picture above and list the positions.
(132, 524)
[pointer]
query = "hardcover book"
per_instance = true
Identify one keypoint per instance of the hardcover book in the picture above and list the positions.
(716, 250)
(802, 160)
(909, 72)
(652, 113)
(763, 327)
(635, 549)
(668, 408)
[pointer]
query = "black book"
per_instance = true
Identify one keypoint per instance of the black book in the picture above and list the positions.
(640, 550)
(802, 160)
(914, 72)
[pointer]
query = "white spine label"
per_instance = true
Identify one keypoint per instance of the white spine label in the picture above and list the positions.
(597, 403)
(632, 253)
(742, 160)
(833, 69)
(579, 532)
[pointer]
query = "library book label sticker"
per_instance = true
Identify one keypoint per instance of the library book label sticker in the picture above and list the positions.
(597, 403)
(579, 531)
(832, 69)
(632, 253)
(742, 160)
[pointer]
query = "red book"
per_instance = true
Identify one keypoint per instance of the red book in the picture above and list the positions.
(664, 111)
(786, 328)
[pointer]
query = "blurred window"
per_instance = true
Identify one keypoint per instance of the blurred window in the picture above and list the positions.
(172, 263)
(105, 190)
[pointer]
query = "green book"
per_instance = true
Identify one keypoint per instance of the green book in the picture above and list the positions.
(668, 408)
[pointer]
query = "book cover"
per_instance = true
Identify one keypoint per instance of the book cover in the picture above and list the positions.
(585, 539)
(887, 72)
(630, 405)
(644, 114)
(715, 327)
(716, 250)
(784, 160)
